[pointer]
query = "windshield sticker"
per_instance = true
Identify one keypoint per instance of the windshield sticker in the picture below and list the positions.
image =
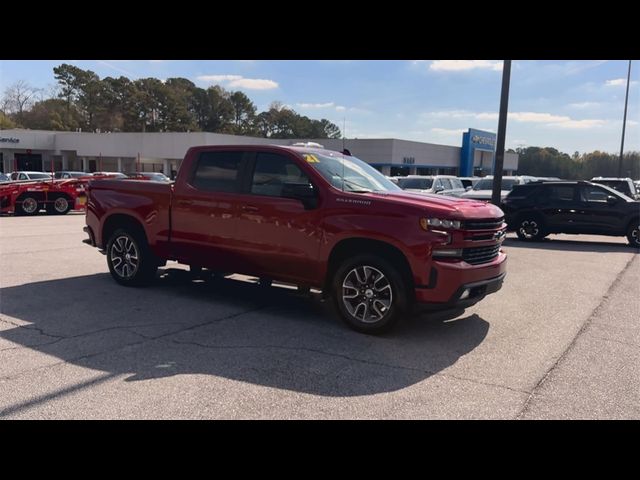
(311, 158)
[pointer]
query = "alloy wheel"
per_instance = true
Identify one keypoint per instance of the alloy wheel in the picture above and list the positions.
(529, 229)
(124, 256)
(367, 294)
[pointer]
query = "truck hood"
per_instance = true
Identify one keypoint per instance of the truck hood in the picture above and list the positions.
(452, 207)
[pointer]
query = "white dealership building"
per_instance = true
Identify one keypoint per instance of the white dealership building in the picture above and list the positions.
(163, 152)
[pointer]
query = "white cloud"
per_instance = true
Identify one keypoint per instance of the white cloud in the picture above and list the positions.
(632, 123)
(536, 117)
(448, 131)
(579, 124)
(548, 119)
(340, 108)
(117, 69)
(157, 61)
(218, 78)
(238, 81)
(464, 65)
(254, 84)
(584, 104)
(619, 82)
(317, 105)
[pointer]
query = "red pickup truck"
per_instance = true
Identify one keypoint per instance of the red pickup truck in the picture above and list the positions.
(307, 216)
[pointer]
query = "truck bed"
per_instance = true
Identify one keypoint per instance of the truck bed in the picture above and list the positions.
(148, 202)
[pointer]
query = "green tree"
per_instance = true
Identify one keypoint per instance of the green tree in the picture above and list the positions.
(6, 122)
(219, 116)
(329, 129)
(69, 78)
(244, 112)
(52, 114)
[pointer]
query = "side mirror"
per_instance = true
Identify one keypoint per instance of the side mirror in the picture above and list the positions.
(303, 192)
(468, 188)
(439, 189)
(611, 200)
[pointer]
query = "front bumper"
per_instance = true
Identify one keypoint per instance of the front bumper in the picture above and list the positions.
(477, 291)
(449, 280)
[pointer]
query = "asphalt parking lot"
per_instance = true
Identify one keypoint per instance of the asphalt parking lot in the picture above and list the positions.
(560, 340)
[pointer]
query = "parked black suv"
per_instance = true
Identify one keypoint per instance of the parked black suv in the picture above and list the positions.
(537, 209)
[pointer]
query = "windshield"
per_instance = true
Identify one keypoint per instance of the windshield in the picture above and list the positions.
(619, 185)
(487, 184)
(349, 173)
(615, 192)
(416, 183)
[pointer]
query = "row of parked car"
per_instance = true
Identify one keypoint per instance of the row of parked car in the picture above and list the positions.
(478, 188)
(62, 175)
(536, 207)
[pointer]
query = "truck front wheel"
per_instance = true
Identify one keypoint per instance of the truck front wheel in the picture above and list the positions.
(130, 260)
(369, 293)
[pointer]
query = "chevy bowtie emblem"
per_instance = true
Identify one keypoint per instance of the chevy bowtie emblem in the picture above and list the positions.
(499, 235)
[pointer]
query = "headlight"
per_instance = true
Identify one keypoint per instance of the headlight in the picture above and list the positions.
(431, 223)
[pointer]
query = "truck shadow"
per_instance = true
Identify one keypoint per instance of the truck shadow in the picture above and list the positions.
(227, 328)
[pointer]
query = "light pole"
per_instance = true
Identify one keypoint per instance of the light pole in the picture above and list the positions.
(624, 121)
(502, 129)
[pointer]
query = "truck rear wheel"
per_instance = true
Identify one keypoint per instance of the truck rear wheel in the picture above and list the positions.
(369, 293)
(60, 206)
(130, 260)
(28, 205)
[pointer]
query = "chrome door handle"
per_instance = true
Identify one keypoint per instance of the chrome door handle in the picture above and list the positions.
(249, 208)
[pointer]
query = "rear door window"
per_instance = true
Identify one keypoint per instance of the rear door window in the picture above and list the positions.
(561, 193)
(218, 171)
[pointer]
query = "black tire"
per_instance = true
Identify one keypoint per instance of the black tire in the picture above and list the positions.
(379, 303)
(530, 228)
(28, 206)
(633, 233)
(60, 206)
(125, 241)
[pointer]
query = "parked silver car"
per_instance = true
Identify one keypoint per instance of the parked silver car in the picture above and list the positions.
(440, 184)
(484, 188)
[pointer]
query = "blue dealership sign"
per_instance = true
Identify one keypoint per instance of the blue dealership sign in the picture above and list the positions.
(472, 141)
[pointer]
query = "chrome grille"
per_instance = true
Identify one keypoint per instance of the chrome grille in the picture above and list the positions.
(478, 255)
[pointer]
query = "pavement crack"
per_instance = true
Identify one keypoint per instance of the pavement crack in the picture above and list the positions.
(596, 311)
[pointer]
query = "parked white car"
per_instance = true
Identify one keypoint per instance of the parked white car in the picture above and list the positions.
(25, 175)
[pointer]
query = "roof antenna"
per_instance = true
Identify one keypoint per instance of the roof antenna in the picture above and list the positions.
(344, 150)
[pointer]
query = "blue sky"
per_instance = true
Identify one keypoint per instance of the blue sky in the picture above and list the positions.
(570, 105)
